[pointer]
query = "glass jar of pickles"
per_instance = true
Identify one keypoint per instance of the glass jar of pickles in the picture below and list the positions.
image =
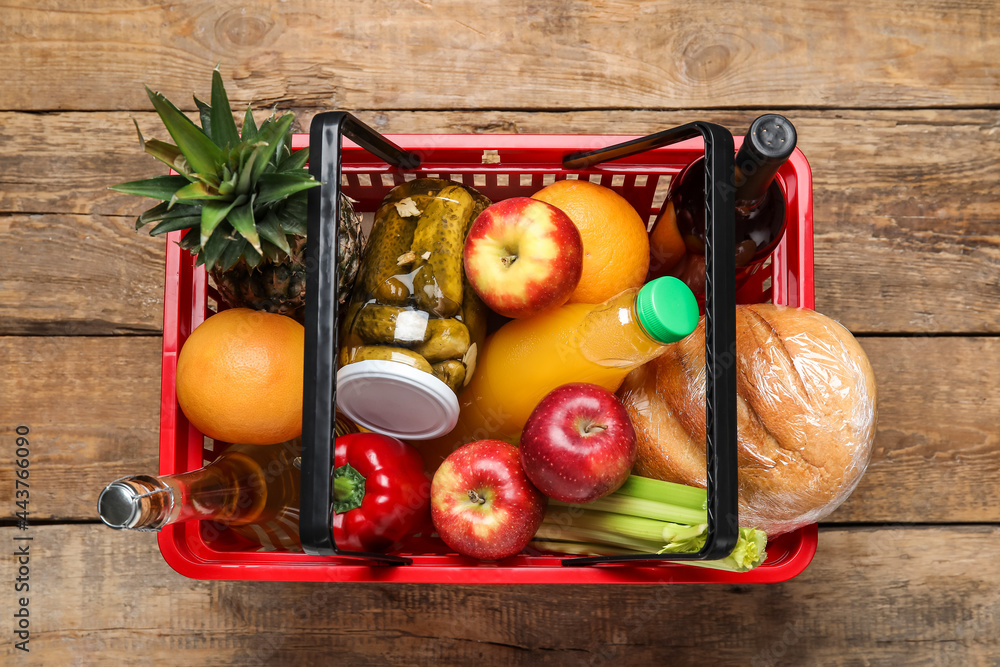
(413, 325)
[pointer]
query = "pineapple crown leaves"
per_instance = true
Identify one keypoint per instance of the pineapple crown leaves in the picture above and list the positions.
(238, 195)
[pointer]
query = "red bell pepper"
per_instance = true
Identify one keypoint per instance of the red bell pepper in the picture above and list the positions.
(381, 492)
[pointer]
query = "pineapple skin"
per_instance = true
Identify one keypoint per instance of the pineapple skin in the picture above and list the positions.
(273, 287)
(280, 287)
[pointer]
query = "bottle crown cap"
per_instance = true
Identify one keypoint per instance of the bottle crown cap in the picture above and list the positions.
(667, 309)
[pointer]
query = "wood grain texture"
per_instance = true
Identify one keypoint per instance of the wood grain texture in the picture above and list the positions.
(896, 105)
(937, 443)
(92, 405)
(870, 597)
(92, 408)
(79, 275)
(893, 191)
(565, 54)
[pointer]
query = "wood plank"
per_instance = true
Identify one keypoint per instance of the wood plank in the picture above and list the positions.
(937, 443)
(561, 55)
(903, 212)
(79, 275)
(929, 598)
(92, 409)
(92, 406)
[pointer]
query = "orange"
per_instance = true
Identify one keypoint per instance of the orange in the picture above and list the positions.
(615, 242)
(239, 377)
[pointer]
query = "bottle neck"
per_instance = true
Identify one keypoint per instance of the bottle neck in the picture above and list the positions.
(754, 175)
(140, 502)
(216, 493)
(611, 335)
(768, 143)
(642, 329)
(149, 503)
(233, 490)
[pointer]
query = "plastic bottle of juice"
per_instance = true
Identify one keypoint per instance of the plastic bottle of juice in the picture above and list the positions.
(526, 359)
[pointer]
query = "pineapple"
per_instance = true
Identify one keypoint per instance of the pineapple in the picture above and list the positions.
(241, 197)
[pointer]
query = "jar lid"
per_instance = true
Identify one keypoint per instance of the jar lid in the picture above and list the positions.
(667, 309)
(394, 399)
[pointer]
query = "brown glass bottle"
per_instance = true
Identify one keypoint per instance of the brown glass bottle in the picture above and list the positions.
(252, 490)
(677, 238)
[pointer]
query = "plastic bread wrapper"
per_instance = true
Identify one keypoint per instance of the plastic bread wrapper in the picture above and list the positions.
(806, 414)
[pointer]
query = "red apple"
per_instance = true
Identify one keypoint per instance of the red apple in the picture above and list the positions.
(523, 256)
(482, 504)
(578, 445)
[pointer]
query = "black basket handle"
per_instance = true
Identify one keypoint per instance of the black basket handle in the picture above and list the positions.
(720, 332)
(326, 136)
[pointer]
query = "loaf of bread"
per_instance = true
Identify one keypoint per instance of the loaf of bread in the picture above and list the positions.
(806, 414)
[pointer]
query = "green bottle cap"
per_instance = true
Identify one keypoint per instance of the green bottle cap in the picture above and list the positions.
(667, 309)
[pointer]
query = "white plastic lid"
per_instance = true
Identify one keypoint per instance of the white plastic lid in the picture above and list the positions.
(395, 399)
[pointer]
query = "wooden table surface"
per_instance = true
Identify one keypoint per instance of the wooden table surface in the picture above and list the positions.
(896, 104)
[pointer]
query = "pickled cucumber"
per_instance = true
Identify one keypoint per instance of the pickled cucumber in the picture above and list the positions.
(391, 239)
(392, 233)
(452, 373)
(348, 339)
(389, 353)
(448, 339)
(418, 186)
(349, 342)
(391, 236)
(481, 203)
(437, 244)
(390, 325)
(474, 313)
(392, 292)
(474, 316)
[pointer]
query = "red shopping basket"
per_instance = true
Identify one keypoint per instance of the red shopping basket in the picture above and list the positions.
(499, 166)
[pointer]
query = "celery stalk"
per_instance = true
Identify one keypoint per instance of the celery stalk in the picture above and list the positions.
(645, 516)
(635, 527)
(620, 503)
(748, 554)
(549, 531)
(619, 529)
(580, 548)
(664, 492)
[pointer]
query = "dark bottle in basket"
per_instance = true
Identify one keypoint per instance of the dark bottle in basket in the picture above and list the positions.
(252, 490)
(677, 238)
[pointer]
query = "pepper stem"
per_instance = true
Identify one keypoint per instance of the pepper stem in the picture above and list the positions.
(348, 489)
